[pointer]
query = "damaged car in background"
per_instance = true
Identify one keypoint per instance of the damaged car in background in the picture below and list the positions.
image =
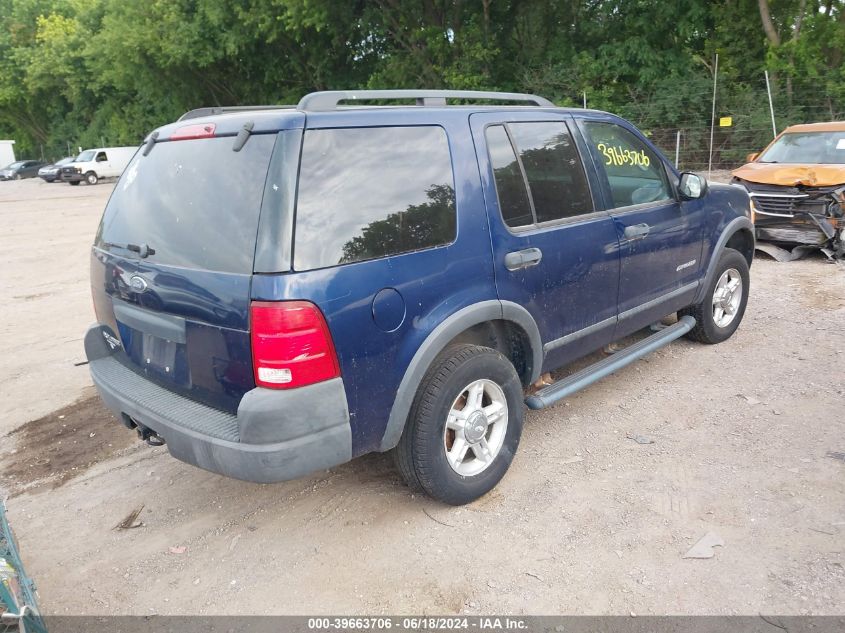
(797, 189)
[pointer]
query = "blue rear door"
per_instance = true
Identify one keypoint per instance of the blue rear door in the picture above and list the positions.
(555, 252)
(172, 264)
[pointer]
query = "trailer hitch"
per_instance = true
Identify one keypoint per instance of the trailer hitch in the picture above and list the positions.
(149, 436)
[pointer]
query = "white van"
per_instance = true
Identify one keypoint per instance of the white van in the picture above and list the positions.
(94, 164)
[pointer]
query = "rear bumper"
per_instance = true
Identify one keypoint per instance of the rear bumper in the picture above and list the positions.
(276, 435)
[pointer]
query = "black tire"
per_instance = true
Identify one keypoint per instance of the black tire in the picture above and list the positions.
(18, 176)
(706, 330)
(73, 182)
(91, 178)
(421, 453)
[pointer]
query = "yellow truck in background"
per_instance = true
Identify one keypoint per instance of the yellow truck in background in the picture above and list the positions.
(797, 189)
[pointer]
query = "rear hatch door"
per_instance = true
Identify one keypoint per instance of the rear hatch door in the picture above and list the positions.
(172, 264)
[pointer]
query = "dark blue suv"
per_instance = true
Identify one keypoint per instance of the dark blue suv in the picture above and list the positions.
(281, 289)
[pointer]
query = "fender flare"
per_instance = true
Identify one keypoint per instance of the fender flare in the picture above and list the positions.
(732, 228)
(436, 341)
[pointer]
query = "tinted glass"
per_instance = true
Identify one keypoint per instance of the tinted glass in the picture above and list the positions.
(372, 192)
(635, 173)
(196, 203)
(556, 177)
(86, 156)
(807, 147)
(510, 185)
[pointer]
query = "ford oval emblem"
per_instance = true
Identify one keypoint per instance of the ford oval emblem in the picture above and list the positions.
(137, 283)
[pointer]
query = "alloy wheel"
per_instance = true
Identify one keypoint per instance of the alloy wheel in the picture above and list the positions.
(727, 295)
(476, 427)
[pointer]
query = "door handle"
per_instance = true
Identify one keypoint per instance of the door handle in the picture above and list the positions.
(523, 259)
(636, 231)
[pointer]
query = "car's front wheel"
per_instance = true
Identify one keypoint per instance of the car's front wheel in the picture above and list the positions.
(464, 426)
(91, 178)
(720, 312)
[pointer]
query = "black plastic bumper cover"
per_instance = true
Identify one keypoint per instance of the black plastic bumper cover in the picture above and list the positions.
(275, 436)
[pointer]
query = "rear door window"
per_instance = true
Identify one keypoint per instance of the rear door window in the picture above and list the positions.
(366, 193)
(553, 167)
(548, 161)
(194, 203)
(635, 174)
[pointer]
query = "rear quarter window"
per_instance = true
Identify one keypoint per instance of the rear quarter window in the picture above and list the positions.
(366, 193)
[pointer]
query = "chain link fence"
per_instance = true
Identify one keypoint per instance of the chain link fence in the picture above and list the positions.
(750, 129)
(679, 124)
(52, 152)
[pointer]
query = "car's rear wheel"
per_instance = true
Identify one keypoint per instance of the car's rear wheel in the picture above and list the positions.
(464, 426)
(91, 178)
(720, 312)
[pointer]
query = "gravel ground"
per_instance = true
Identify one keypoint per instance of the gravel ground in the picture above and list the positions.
(587, 521)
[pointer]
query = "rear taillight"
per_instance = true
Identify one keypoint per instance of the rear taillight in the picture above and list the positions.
(190, 132)
(291, 344)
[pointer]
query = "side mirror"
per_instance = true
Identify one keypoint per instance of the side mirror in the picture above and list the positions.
(692, 186)
(752, 157)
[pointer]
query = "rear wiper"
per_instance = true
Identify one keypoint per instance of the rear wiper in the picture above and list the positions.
(143, 250)
(243, 136)
(148, 146)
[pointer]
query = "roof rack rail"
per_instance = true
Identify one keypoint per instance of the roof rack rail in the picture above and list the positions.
(329, 100)
(214, 110)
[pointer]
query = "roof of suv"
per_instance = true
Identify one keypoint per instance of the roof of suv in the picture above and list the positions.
(431, 104)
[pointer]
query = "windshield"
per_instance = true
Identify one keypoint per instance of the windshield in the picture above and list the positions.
(195, 204)
(86, 156)
(14, 165)
(807, 147)
(65, 161)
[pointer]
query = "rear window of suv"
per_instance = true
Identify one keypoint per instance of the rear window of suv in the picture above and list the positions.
(195, 203)
(366, 193)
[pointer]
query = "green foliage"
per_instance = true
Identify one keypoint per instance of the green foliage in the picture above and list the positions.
(82, 72)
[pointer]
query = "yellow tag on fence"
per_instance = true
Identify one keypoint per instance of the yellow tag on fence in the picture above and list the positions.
(726, 121)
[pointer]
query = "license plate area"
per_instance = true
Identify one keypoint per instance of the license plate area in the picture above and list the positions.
(159, 355)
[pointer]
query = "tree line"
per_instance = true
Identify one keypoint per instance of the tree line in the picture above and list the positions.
(82, 72)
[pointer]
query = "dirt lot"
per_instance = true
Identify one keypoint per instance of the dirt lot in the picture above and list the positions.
(586, 521)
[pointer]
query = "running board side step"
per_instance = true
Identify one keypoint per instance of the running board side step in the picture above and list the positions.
(595, 372)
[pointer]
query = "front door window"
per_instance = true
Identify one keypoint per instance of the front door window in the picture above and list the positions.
(635, 174)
